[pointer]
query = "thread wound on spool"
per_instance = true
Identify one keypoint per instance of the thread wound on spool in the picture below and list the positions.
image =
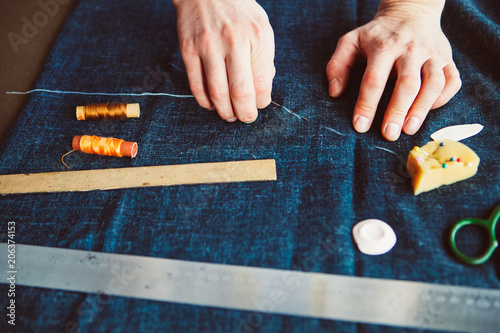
(107, 111)
(104, 146)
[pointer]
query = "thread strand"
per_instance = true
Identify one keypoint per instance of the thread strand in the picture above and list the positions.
(62, 158)
(94, 93)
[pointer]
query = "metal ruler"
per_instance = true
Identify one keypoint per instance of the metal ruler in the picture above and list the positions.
(261, 290)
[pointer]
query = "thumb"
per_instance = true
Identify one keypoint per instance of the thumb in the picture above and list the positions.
(343, 59)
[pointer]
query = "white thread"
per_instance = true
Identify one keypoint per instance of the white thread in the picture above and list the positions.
(176, 67)
(387, 150)
(302, 118)
(154, 94)
(332, 130)
(165, 94)
(95, 93)
(290, 111)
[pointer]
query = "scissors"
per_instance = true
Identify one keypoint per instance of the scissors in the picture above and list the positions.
(490, 225)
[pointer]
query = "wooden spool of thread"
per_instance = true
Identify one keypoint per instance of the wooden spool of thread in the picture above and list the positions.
(107, 111)
(105, 146)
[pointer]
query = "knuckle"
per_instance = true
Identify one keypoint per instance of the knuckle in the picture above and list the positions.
(256, 29)
(197, 88)
(231, 36)
(365, 109)
(188, 46)
(411, 47)
(373, 81)
(346, 39)
(261, 20)
(398, 112)
(383, 43)
(262, 87)
(352, 36)
(205, 39)
(420, 110)
(262, 36)
(436, 81)
(241, 90)
(333, 63)
(409, 82)
(217, 92)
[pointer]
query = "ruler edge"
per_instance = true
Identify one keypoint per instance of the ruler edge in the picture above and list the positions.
(270, 175)
(251, 268)
(359, 278)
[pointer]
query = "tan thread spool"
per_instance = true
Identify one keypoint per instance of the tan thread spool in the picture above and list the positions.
(108, 111)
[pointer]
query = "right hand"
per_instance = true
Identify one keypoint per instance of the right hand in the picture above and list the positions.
(404, 37)
(228, 51)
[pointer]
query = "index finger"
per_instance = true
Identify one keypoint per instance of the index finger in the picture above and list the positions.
(377, 72)
(241, 86)
(262, 62)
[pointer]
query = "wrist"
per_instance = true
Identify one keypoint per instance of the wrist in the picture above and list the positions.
(431, 9)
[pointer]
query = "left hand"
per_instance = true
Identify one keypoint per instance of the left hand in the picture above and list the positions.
(228, 50)
(405, 37)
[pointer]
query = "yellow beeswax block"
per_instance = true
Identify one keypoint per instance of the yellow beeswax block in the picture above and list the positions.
(439, 163)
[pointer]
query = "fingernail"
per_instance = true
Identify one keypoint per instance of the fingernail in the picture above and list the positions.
(249, 122)
(362, 124)
(231, 119)
(392, 131)
(334, 88)
(412, 125)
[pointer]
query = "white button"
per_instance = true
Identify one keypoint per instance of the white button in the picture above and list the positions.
(374, 237)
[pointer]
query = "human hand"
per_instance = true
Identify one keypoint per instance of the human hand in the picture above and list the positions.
(228, 50)
(404, 37)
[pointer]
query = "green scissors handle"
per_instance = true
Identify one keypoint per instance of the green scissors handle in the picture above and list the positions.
(489, 225)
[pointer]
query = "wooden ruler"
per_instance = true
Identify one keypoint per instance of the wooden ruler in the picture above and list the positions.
(165, 175)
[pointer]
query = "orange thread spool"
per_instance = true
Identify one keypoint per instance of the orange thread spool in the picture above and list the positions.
(107, 111)
(105, 146)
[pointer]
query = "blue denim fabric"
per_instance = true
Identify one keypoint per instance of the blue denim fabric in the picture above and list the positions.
(326, 182)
